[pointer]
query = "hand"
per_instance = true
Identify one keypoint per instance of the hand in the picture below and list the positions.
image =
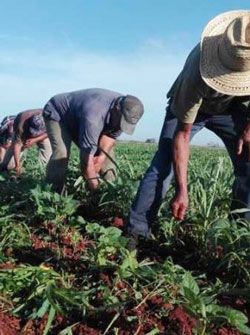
(93, 183)
(244, 140)
(179, 205)
(28, 143)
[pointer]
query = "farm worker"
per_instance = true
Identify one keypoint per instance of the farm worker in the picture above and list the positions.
(6, 133)
(29, 129)
(212, 91)
(93, 119)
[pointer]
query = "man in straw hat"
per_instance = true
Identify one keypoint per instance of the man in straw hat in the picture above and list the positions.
(93, 119)
(212, 91)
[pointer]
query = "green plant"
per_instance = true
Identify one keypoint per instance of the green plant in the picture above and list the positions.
(51, 206)
(202, 304)
(108, 242)
(90, 278)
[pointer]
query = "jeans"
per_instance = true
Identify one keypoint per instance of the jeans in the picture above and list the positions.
(156, 181)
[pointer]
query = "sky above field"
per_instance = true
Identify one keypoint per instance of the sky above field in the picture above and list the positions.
(131, 46)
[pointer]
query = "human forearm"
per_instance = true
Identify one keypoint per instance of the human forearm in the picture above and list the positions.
(180, 161)
(89, 171)
(39, 138)
(17, 153)
(33, 140)
(105, 146)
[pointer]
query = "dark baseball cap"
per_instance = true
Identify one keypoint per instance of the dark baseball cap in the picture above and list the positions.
(132, 110)
(36, 125)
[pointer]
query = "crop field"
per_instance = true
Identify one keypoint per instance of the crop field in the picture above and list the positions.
(65, 267)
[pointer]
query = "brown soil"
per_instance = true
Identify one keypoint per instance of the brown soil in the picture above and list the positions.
(9, 325)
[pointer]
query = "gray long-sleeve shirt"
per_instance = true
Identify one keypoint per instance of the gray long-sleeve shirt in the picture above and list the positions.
(85, 113)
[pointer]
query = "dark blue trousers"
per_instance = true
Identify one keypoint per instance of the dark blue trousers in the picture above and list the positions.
(155, 183)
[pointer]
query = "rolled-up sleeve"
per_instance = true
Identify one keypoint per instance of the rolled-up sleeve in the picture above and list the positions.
(186, 102)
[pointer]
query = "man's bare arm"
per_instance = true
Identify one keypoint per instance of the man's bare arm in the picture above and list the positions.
(180, 162)
(91, 164)
(33, 140)
(88, 170)
(106, 144)
(17, 148)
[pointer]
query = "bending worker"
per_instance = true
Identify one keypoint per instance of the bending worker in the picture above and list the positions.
(29, 129)
(93, 119)
(212, 91)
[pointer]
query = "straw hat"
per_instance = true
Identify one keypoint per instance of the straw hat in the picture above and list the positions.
(225, 53)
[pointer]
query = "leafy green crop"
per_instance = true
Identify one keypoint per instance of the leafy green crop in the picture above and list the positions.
(85, 275)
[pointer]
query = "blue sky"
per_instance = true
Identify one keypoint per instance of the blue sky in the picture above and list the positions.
(132, 46)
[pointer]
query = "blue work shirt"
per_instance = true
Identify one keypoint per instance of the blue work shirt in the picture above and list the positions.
(86, 115)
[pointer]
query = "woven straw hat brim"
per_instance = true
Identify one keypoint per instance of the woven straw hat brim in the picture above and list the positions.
(213, 72)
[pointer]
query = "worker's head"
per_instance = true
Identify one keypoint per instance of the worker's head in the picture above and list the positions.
(126, 113)
(36, 126)
(225, 53)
